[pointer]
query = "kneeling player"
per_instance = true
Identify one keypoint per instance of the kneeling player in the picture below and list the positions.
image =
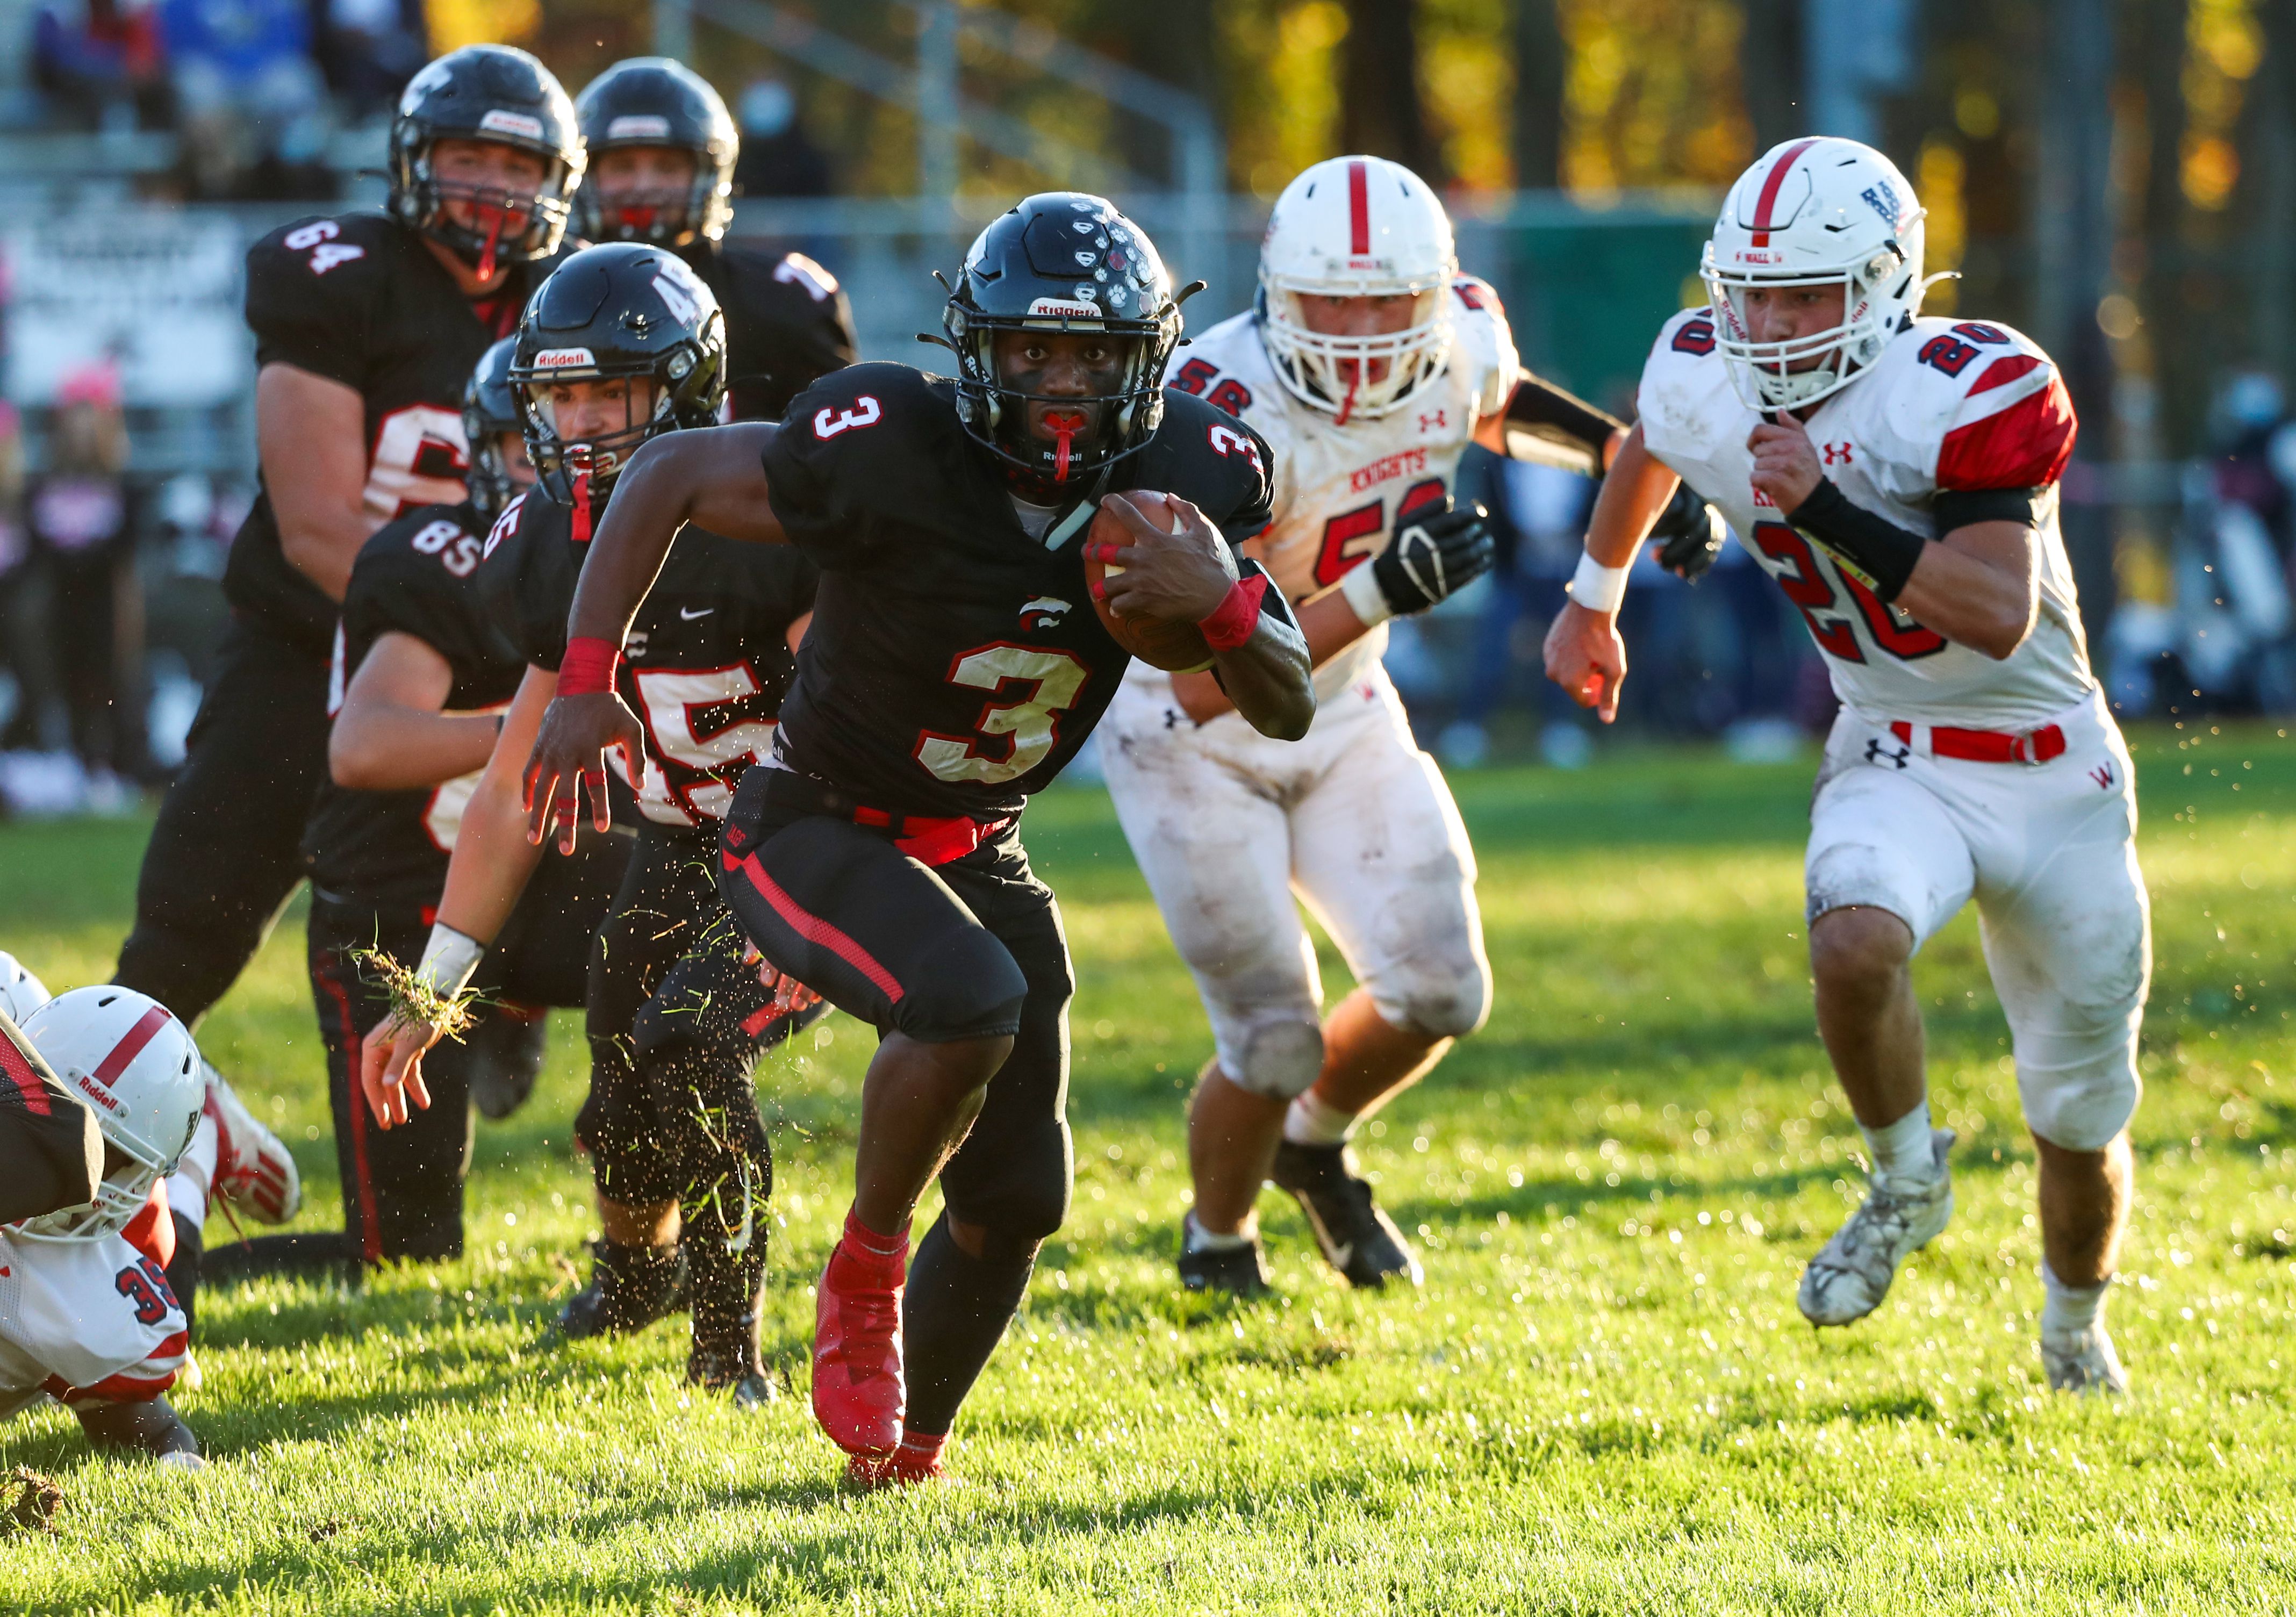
(1973, 756)
(955, 664)
(624, 343)
(87, 1317)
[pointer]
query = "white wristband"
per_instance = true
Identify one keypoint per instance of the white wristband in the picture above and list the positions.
(1596, 587)
(1362, 592)
(449, 959)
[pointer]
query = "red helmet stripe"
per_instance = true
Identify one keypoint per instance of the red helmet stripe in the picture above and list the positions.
(1358, 207)
(1771, 183)
(132, 1044)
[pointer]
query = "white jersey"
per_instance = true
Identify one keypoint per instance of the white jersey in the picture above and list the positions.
(1339, 489)
(83, 1322)
(1950, 405)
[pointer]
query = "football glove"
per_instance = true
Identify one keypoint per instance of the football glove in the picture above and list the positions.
(1436, 552)
(1688, 534)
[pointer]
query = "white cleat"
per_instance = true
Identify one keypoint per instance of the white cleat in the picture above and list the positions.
(254, 1168)
(2083, 1364)
(1851, 1274)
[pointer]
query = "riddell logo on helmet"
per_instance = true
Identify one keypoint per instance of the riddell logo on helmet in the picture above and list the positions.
(500, 122)
(97, 1092)
(1063, 307)
(550, 359)
(639, 125)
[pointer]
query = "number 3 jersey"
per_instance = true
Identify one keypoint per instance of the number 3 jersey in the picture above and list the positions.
(1339, 489)
(707, 661)
(1950, 405)
(955, 663)
(360, 300)
(83, 1322)
(414, 577)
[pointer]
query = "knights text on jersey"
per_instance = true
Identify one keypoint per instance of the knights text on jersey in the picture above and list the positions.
(84, 1322)
(360, 300)
(955, 664)
(416, 576)
(787, 324)
(707, 662)
(1950, 405)
(1340, 490)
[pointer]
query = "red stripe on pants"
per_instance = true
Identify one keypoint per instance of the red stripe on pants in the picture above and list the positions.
(813, 929)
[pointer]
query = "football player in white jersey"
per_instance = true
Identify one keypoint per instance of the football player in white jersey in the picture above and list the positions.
(1368, 364)
(1897, 476)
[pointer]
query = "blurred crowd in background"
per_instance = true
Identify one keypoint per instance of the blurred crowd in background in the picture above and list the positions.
(2169, 294)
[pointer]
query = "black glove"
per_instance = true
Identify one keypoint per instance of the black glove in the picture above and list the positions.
(1436, 552)
(1688, 533)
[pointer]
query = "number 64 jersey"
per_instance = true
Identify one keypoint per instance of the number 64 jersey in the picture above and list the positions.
(1948, 405)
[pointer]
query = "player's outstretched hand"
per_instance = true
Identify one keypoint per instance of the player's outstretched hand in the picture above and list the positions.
(391, 1070)
(1180, 576)
(1586, 658)
(570, 757)
(1785, 462)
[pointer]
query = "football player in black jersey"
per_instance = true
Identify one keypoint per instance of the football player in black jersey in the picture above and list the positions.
(661, 150)
(366, 327)
(956, 662)
(428, 674)
(624, 343)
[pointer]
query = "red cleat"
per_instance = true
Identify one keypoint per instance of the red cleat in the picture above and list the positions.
(858, 1396)
(917, 1460)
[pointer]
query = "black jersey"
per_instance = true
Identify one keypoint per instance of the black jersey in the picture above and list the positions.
(787, 324)
(416, 576)
(359, 299)
(955, 664)
(707, 661)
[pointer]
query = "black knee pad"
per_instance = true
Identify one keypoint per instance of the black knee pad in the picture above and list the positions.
(628, 1158)
(1018, 1189)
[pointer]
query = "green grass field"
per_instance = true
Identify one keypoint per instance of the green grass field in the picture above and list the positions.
(1603, 1400)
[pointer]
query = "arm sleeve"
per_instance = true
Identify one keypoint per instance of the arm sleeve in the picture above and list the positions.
(398, 588)
(315, 320)
(848, 448)
(2015, 427)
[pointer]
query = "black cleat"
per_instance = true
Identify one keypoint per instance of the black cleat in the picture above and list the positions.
(1358, 1240)
(1241, 1271)
(735, 1369)
(630, 1287)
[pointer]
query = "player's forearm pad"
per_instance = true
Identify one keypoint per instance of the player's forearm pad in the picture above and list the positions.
(1596, 587)
(449, 959)
(1232, 621)
(1880, 551)
(1539, 403)
(588, 666)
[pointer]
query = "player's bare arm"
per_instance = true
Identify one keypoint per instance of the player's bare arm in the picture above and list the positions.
(1184, 577)
(310, 433)
(1583, 652)
(1980, 585)
(392, 734)
(710, 477)
(147, 1425)
(493, 860)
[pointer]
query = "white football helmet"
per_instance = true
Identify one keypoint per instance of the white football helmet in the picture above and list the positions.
(135, 1066)
(1356, 227)
(1817, 212)
(21, 992)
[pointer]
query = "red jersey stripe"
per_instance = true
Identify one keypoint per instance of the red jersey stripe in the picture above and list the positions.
(2005, 370)
(2023, 447)
(132, 1045)
(1772, 183)
(1359, 208)
(813, 929)
(21, 1078)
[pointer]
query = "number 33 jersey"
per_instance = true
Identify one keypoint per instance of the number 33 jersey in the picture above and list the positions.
(1951, 405)
(706, 660)
(83, 1322)
(1339, 490)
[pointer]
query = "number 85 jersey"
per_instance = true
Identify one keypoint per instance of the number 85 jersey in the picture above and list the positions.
(1948, 405)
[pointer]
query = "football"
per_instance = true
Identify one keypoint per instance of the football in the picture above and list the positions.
(1178, 648)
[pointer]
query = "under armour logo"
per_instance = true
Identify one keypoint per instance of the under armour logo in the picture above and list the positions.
(1045, 611)
(1876, 754)
(2103, 776)
(1428, 423)
(1836, 453)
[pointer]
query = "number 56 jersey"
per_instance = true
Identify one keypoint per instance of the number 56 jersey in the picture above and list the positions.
(1341, 489)
(1950, 406)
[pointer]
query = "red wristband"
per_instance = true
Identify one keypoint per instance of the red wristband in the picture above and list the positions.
(1232, 621)
(588, 666)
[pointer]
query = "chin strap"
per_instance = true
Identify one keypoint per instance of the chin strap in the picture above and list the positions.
(582, 506)
(1348, 405)
(1065, 429)
(486, 268)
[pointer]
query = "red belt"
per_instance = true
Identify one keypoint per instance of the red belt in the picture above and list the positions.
(931, 840)
(1988, 746)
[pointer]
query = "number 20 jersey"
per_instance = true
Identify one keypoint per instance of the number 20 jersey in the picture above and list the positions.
(1965, 405)
(1339, 490)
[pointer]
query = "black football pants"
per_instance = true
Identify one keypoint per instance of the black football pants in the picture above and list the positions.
(402, 1186)
(969, 949)
(227, 849)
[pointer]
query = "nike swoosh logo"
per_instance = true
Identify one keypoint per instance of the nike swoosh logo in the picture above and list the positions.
(691, 616)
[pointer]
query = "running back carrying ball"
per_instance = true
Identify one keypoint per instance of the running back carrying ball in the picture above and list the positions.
(1175, 647)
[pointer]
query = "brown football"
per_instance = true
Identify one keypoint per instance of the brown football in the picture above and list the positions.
(1179, 648)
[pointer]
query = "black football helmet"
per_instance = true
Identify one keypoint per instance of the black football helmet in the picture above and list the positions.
(489, 410)
(621, 309)
(485, 93)
(1061, 261)
(656, 100)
